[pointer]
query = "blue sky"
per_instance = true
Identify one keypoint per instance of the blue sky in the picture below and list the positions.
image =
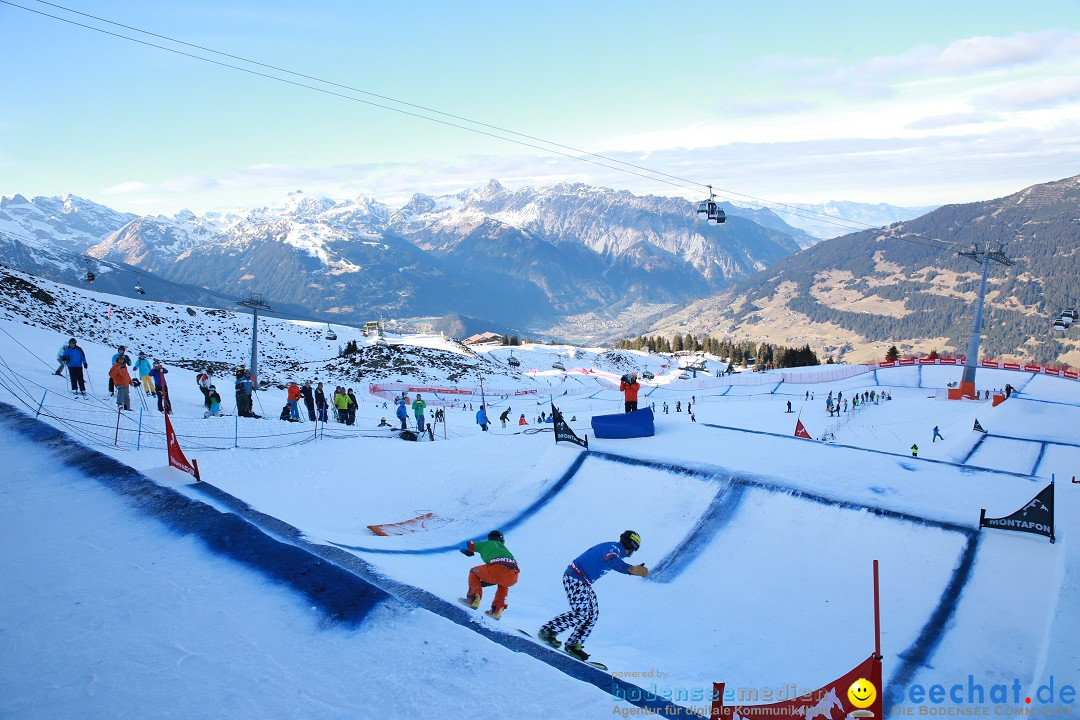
(908, 103)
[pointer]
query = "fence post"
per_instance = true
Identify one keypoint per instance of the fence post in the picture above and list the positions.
(138, 438)
(40, 404)
(236, 429)
(116, 440)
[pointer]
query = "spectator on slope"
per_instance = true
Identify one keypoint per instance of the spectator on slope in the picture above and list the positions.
(75, 359)
(60, 359)
(418, 408)
(522, 420)
(350, 417)
(914, 450)
(214, 409)
(504, 417)
(383, 423)
(629, 386)
(937, 434)
(309, 400)
(678, 406)
(286, 412)
(121, 381)
(341, 404)
(203, 381)
(320, 403)
(499, 568)
(578, 581)
(120, 354)
(244, 388)
(142, 366)
(402, 414)
(161, 388)
(292, 397)
(482, 418)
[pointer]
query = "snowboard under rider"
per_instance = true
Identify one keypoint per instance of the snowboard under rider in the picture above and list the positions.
(578, 580)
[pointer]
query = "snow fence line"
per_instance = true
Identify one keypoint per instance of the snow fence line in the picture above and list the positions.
(960, 465)
(345, 587)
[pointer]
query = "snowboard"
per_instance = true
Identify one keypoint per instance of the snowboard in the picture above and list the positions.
(595, 664)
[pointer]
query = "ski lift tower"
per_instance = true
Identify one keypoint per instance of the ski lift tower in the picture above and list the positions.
(971, 361)
(256, 302)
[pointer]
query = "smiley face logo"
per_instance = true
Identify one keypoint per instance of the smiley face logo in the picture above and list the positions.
(862, 693)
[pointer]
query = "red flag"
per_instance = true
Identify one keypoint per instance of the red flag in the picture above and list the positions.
(855, 694)
(176, 455)
(109, 314)
(800, 430)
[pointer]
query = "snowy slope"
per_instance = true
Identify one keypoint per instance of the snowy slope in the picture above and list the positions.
(760, 543)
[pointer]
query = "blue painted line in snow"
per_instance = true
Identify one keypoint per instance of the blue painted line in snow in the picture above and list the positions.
(764, 483)
(521, 517)
(971, 452)
(340, 595)
(776, 387)
(933, 632)
(1038, 460)
(1038, 440)
(876, 380)
(716, 517)
(960, 465)
(1026, 382)
(727, 390)
(1045, 402)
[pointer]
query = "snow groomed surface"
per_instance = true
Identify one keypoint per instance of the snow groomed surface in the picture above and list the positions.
(342, 586)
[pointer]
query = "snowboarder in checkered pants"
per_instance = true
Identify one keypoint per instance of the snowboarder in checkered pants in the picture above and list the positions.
(578, 580)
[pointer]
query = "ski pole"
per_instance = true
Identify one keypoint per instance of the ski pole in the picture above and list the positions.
(138, 438)
(116, 440)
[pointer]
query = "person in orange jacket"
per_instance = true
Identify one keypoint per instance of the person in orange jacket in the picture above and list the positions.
(121, 380)
(522, 420)
(629, 386)
(293, 397)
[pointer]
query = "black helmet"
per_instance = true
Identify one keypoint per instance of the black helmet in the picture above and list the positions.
(496, 535)
(631, 541)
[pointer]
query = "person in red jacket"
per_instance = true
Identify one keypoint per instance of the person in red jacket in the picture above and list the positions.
(294, 402)
(630, 387)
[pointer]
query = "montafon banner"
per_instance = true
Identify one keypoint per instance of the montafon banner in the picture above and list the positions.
(1036, 517)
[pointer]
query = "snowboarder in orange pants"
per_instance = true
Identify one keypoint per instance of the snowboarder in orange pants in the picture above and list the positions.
(499, 569)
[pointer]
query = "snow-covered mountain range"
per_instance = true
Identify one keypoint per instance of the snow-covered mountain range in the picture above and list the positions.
(515, 257)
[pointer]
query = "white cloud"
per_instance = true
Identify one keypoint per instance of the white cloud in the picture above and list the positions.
(937, 122)
(1034, 95)
(877, 77)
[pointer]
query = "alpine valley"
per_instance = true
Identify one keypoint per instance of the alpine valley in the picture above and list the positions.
(585, 264)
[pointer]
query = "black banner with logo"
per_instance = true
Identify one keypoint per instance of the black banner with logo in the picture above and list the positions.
(563, 432)
(1036, 517)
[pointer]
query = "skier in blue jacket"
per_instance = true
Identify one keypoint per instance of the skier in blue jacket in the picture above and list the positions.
(578, 580)
(75, 359)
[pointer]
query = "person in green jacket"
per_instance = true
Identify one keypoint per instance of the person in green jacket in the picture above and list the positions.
(499, 568)
(418, 407)
(341, 402)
